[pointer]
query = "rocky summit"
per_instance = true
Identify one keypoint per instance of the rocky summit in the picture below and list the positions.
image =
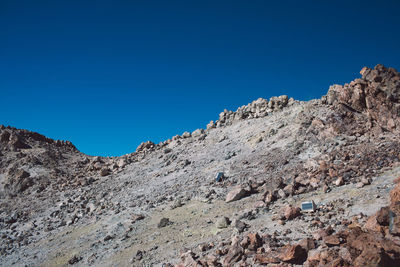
(227, 195)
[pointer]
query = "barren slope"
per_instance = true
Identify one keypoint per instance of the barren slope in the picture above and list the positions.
(60, 207)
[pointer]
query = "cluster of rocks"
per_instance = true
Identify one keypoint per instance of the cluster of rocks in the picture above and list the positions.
(348, 154)
(375, 243)
(363, 111)
(340, 165)
(256, 109)
(268, 192)
(149, 146)
(372, 242)
(347, 165)
(106, 166)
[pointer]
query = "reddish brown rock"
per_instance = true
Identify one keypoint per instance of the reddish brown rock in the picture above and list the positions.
(314, 257)
(333, 173)
(323, 257)
(236, 194)
(394, 212)
(332, 240)
(323, 166)
(394, 219)
(339, 262)
(293, 254)
(372, 249)
(255, 241)
(290, 212)
(373, 225)
(266, 258)
(212, 260)
(382, 216)
(307, 244)
(235, 254)
(373, 257)
(395, 194)
(368, 96)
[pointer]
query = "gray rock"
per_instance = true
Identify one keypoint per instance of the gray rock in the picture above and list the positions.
(222, 222)
(239, 225)
(164, 222)
(197, 132)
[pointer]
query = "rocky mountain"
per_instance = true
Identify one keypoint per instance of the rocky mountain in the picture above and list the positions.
(227, 195)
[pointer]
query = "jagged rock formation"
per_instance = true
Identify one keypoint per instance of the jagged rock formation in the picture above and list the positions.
(376, 94)
(59, 206)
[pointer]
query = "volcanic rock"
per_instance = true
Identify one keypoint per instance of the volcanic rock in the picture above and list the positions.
(332, 240)
(236, 194)
(289, 212)
(293, 254)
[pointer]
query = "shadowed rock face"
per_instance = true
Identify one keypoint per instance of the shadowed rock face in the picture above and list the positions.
(162, 205)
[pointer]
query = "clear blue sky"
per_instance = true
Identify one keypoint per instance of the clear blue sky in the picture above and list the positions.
(108, 75)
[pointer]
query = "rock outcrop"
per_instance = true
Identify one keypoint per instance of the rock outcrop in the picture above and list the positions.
(256, 109)
(377, 94)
